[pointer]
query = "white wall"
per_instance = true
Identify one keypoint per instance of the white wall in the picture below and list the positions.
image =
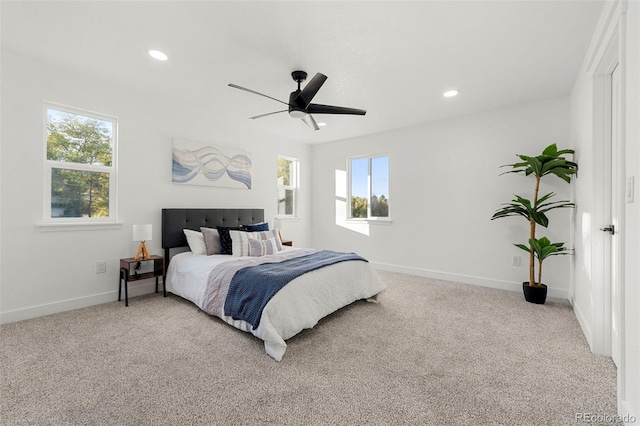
(47, 271)
(444, 188)
(631, 402)
(582, 138)
(620, 23)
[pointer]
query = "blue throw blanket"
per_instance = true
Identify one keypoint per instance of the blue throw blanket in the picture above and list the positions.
(252, 287)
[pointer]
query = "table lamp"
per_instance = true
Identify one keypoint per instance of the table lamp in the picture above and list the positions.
(142, 233)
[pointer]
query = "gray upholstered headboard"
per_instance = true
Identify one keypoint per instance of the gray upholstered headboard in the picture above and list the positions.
(175, 220)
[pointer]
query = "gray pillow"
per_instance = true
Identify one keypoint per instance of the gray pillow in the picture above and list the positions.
(211, 240)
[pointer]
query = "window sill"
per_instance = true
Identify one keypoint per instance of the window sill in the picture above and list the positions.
(371, 221)
(79, 226)
(288, 218)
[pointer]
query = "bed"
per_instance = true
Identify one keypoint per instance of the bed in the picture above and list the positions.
(207, 279)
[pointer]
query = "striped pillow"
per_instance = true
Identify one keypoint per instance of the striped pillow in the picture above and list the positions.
(240, 240)
(262, 247)
(266, 235)
(239, 243)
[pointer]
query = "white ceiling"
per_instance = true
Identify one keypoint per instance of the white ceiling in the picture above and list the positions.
(392, 58)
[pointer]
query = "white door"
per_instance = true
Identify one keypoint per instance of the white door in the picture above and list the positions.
(617, 167)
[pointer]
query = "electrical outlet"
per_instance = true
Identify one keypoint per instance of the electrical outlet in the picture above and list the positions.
(515, 261)
(101, 267)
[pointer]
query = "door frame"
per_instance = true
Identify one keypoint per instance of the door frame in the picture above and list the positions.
(611, 53)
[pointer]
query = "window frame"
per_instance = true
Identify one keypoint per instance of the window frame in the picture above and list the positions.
(295, 187)
(369, 218)
(49, 165)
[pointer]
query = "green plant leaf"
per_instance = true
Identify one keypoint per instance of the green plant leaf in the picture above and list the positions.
(547, 251)
(554, 205)
(534, 165)
(511, 210)
(552, 164)
(551, 150)
(543, 248)
(544, 241)
(563, 173)
(545, 197)
(525, 202)
(540, 218)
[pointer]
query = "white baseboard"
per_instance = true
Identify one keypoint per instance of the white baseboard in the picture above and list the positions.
(465, 279)
(585, 325)
(135, 289)
(627, 416)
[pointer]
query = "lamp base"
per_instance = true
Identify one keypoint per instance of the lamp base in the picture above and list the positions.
(143, 252)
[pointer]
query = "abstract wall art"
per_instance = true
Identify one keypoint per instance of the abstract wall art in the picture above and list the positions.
(199, 163)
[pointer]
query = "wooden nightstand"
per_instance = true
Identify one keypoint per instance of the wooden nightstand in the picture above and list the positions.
(129, 264)
(287, 243)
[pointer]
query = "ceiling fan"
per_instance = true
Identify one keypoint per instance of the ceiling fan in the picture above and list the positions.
(300, 106)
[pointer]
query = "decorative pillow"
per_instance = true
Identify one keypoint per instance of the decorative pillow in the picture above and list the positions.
(262, 226)
(211, 240)
(240, 243)
(240, 240)
(262, 247)
(225, 238)
(265, 235)
(195, 240)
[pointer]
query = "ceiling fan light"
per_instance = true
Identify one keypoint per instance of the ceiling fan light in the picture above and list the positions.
(450, 93)
(294, 113)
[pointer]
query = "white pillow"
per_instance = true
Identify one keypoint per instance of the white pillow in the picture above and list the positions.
(195, 241)
(262, 247)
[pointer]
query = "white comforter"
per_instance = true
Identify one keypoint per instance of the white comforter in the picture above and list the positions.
(298, 305)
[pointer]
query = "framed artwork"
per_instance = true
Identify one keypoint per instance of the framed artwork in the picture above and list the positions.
(199, 163)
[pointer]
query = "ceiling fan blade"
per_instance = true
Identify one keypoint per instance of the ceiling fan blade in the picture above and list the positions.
(269, 113)
(310, 90)
(330, 109)
(309, 121)
(235, 86)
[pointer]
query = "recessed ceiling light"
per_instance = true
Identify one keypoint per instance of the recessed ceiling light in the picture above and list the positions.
(321, 124)
(450, 93)
(156, 54)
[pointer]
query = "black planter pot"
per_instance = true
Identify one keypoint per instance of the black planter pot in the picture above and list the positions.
(534, 294)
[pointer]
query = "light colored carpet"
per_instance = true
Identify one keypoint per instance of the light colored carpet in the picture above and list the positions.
(431, 352)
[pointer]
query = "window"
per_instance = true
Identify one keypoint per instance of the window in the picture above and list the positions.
(288, 182)
(369, 187)
(79, 166)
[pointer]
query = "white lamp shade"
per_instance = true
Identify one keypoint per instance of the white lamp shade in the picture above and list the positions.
(142, 232)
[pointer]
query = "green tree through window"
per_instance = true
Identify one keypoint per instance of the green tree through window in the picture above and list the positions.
(369, 187)
(80, 161)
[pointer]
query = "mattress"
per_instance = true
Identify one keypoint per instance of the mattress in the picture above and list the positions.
(297, 306)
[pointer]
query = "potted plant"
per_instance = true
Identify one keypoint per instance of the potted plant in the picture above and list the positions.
(550, 162)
